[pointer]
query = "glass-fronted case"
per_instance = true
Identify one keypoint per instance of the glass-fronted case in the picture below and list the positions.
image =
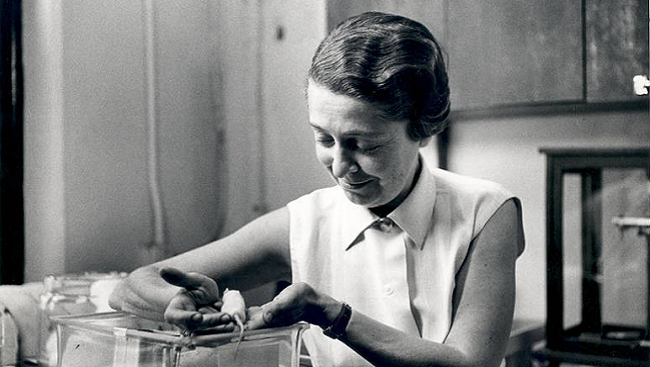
(598, 216)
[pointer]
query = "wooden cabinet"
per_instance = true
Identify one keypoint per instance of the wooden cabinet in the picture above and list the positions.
(514, 53)
(511, 52)
(505, 52)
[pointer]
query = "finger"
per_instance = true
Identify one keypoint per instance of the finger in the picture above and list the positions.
(215, 319)
(255, 318)
(225, 328)
(184, 318)
(208, 309)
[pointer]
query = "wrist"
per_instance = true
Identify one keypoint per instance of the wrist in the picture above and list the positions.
(331, 310)
(322, 309)
(336, 327)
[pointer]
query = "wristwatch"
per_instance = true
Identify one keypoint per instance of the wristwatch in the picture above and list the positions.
(337, 328)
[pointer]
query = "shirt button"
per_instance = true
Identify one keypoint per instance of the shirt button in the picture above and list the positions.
(385, 224)
(388, 290)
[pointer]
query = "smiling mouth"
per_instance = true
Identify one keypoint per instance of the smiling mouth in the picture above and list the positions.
(353, 185)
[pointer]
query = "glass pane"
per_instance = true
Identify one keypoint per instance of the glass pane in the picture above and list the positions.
(624, 287)
(572, 256)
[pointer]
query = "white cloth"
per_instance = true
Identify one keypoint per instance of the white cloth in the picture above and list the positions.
(22, 303)
(399, 270)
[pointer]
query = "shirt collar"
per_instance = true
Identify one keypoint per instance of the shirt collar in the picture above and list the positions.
(413, 215)
(355, 220)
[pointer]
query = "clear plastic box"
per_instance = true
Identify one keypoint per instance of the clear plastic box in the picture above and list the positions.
(116, 339)
(70, 294)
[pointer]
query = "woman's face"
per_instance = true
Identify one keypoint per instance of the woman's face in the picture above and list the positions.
(373, 160)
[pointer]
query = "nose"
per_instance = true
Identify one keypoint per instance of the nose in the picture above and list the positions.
(342, 162)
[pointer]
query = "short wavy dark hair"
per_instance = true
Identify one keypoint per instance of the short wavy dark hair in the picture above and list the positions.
(392, 62)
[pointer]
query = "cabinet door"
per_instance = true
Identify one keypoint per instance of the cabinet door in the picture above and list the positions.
(514, 52)
(617, 47)
(431, 13)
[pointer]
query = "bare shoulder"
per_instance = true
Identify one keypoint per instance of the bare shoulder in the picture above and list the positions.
(504, 230)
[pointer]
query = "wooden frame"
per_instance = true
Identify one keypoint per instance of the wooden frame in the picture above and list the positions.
(563, 345)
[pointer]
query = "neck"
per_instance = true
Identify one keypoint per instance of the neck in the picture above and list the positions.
(386, 209)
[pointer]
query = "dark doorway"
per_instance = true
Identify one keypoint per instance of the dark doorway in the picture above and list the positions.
(12, 222)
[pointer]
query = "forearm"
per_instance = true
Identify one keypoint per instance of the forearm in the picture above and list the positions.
(377, 342)
(256, 254)
(382, 345)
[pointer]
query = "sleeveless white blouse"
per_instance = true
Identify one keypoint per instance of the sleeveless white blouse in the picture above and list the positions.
(399, 270)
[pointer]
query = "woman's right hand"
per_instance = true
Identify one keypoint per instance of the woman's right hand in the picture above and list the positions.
(196, 305)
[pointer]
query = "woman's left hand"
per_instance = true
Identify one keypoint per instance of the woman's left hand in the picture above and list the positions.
(297, 302)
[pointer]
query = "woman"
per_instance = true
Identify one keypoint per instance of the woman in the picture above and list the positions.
(399, 265)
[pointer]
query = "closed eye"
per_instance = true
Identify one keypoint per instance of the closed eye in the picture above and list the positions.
(363, 146)
(368, 148)
(323, 139)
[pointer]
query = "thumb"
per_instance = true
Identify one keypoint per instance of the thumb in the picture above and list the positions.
(174, 276)
(275, 313)
(201, 286)
(268, 314)
(262, 316)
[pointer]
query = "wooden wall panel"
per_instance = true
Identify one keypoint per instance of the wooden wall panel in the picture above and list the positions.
(617, 47)
(431, 13)
(510, 52)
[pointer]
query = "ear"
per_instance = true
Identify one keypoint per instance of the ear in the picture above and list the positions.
(424, 142)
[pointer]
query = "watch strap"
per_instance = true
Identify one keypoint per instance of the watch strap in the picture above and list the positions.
(337, 328)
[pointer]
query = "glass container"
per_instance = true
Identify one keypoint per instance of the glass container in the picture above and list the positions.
(117, 339)
(71, 294)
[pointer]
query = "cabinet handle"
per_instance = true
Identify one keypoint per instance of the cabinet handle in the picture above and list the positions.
(642, 224)
(641, 84)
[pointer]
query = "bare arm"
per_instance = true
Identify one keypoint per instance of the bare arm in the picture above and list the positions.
(483, 308)
(262, 245)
